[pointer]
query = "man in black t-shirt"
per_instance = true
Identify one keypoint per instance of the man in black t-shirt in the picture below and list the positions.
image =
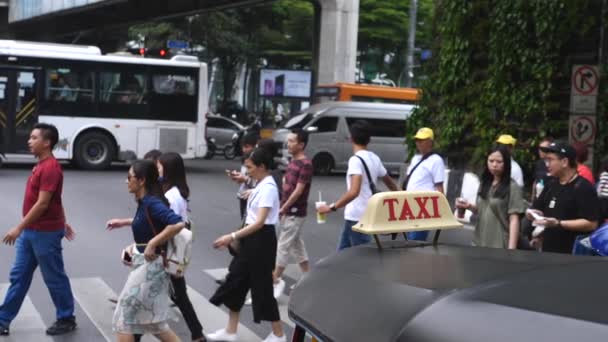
(568, 202)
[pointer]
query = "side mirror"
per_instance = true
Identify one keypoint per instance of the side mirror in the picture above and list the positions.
(312, 129)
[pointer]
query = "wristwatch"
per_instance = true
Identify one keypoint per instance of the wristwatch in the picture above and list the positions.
(332, 207)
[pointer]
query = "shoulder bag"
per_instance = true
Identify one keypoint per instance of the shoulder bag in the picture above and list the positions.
(177, 255)
(407, 178)
(372, 186)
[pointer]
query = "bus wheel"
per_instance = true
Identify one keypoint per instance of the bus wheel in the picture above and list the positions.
(323, 164)
(94, 151)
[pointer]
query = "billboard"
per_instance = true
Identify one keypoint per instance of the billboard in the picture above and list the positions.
(285, 83)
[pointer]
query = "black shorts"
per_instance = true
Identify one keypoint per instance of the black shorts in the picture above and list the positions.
(252, 270)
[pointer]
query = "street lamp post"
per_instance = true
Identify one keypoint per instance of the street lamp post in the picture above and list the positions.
(411, 41)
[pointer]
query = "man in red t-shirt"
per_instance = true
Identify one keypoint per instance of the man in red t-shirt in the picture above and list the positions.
(38, 237)
(294, 200)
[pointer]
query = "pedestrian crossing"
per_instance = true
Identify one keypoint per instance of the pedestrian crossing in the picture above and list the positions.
(92, 295)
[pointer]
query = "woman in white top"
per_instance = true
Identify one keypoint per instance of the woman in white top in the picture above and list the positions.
(252, 266)
(172, 171)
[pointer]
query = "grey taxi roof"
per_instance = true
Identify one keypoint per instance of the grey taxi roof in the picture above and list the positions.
(452, 293)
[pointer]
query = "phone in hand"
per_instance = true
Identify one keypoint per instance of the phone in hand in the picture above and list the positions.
(126, 257)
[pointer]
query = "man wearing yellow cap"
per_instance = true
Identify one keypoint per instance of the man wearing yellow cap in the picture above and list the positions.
(516, 174)
(425, 172)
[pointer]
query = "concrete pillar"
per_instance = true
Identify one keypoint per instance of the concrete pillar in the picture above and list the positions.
(339, 27)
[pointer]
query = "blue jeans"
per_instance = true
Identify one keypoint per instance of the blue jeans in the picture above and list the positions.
(33, 249)
(348, 238)
(420, 236)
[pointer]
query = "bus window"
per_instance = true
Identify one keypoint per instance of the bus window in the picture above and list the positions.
(174, 97)
(122, 88)
(68, 85)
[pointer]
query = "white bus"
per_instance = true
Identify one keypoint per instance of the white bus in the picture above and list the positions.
(106, 107)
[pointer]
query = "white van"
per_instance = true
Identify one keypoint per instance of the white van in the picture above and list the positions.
(328, 124)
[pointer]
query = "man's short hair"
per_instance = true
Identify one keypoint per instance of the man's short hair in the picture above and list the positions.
(359, 132)
(49, 132)
(250, 138)
(301, 135)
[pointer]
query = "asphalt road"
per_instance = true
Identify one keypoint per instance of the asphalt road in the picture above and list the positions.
(92, 260)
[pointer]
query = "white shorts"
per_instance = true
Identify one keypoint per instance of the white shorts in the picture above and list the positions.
(290, 242)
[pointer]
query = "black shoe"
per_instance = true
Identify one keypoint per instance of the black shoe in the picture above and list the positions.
(220, 281)
(4, 330)
(62, 326)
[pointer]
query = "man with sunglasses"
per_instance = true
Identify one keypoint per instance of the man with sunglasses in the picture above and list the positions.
(568, 205)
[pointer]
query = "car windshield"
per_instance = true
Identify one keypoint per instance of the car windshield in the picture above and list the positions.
(299, 121)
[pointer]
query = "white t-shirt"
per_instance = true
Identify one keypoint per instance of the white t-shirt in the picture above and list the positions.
(355, 209)
(264, 195)
(178, 204)
(430, 172)
(516, 174)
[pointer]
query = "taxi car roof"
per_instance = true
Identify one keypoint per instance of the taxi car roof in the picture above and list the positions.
(452, 293)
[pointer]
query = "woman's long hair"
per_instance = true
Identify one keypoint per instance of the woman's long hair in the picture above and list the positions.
(174, 173)
(147, 170)
(487, 178)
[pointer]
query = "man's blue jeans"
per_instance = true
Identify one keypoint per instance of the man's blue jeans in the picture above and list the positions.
(348, 238)
(418, 236)
(33, 249)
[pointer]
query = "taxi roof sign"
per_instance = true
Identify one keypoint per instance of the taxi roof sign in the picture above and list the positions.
(406, 211)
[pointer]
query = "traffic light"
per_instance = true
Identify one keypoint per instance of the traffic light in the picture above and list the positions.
(150, 52)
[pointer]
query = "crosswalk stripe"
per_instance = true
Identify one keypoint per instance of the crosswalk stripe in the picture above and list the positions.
(220, 273)
(92, 295)
(28, 324)
(213, 318)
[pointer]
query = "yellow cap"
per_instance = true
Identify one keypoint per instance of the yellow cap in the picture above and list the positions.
(424, 133)
(506, 139)
(405, 211)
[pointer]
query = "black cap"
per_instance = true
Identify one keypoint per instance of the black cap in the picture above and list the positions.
(561, 148)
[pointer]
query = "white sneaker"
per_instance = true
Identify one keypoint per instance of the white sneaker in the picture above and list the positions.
(274, 338)
(248, 301)
(221, 335)
(278, 288)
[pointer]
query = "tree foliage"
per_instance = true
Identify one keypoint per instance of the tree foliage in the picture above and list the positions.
(499, 69)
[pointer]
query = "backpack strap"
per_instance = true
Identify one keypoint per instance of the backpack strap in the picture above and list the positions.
(372, 186)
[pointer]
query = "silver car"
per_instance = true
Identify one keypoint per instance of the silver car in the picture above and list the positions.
(328, 125)
(222, 129)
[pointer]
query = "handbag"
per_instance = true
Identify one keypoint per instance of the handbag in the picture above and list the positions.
(372, 186)
(176, 256)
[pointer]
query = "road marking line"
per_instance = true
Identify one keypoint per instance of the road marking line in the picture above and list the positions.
(214, 318)
(28, 325)
(220, 273)
(93, 296)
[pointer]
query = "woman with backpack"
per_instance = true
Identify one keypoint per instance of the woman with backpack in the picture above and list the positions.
(499, 203)
(172, 172)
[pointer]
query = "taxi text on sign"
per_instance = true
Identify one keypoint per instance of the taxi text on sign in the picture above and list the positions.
(404, 211)
(584, 88)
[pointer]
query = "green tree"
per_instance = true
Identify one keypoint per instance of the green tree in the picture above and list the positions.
(383, 30)
(500, 68)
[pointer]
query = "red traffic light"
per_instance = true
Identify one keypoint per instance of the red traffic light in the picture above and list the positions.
(163, 52)
(142, 51)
